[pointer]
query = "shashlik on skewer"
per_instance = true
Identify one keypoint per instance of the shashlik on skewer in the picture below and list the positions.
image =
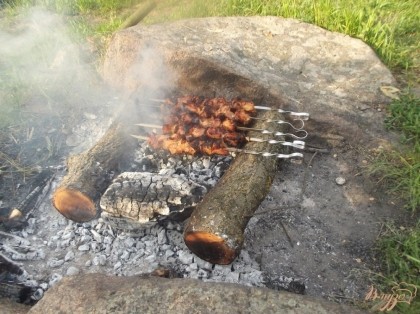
(238, 103)
(195, 125)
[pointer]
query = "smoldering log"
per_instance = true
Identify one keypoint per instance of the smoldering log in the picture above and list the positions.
(215, 230)
(91, 172)
(144, 197)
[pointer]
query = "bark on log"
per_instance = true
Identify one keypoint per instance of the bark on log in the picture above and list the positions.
(91, 172)
(214, 232)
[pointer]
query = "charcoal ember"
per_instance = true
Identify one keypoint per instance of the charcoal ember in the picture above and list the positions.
(285, 283)
(8, 266)
(13, 283)
(140, 199)
(17, 292)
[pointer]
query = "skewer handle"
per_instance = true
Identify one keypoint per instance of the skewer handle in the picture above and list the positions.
(284, 156)
(299, 115)
(292, 135)
(267, 154)
(294, 127)
(295, 144)
(265, 131)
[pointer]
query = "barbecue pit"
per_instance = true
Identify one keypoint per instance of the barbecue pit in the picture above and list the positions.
(311, 252)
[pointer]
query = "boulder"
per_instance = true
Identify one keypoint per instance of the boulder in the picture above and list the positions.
(332, 76)
(275, 61)
(96, 293)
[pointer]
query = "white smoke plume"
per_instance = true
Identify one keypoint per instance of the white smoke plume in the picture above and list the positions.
(55, 75)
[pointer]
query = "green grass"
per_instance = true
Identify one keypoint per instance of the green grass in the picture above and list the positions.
(404, 116)
(390, 27)
(399, 174)
(399, 171)
(71, 7)
(400, 249)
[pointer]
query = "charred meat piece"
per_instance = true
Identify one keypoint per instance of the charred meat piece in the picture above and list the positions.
(229, 125)
(210, 122)
(196, 131)
(209, 148)
(234, 139)
(175, 145)
(242, 117)
(247, 106)
(214, 133)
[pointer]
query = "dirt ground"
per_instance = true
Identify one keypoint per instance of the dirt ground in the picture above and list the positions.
(326, 239)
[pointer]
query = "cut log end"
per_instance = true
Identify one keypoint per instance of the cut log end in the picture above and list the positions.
(74, 205)
(210, 247)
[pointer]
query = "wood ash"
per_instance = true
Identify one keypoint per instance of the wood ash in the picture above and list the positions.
(51, 247)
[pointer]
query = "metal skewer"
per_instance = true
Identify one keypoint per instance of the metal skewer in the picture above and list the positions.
(294, 127)
(299, 115)
(295, 144)
(303, 116)
(266, 154)
(147, 125)
(157, 100)
(264, 131)
(140, 137)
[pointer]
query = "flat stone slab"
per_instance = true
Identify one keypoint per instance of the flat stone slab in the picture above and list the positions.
(95, 293)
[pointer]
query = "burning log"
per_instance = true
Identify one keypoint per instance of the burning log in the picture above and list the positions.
(214, 232)
(91, 172)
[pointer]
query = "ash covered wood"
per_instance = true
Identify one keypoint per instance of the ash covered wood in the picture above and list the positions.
(145, 196)
(13, 218)
(215, 229)
(10, 285)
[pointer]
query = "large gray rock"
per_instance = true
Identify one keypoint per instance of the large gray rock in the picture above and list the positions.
(96, 293)
(302, 67)
(332, 76)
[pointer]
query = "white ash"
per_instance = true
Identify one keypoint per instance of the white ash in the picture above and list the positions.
(116, 252)
(204, 170)
(52, 246)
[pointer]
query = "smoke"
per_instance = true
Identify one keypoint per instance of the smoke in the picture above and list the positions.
(42, 64)
(45, 71)
(149, 73)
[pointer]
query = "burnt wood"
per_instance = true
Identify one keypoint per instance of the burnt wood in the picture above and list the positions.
(90, 173)
(215, 230)
(146, 196)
